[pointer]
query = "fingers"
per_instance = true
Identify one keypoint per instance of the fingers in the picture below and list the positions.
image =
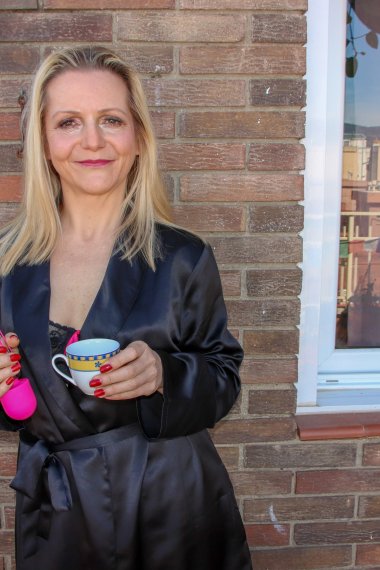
(136, 371)
(9, 362)
(12, 340)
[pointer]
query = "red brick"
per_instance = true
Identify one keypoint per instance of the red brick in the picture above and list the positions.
(8, 463)
(10, 91)
(248, 431)
(338, 481)
(273, 282)
(368, 555)
(210, 218)
(218, 187)
(9, 513)
(18, 58)
(155, 60)
(369, 507)
(163, 124)
(257, 249)
(273, 371)
(262, 482)
(180, 27)
(276, 156)
(7, 212)
(258, 59)
(7, 495)
(271, 342)
(40, 27)
(109, 5)
(276, 218)
(243, 124)
(7, 541)
(276, 92)
(9, 440)
(271, 402)
(201, 156)
(339, 532)
(243, 4)
(231, 282)
(300, 455)
(229, 455)
(194, 92)
(9, 159)
(263, 312)
(371, 454)
(285, 509)
(303, 558)
(18, 4)
(9, 126)
(278, 28)
(10, 188)
(267, 534)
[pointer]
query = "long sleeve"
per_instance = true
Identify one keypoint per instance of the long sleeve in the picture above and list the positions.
(201, 380)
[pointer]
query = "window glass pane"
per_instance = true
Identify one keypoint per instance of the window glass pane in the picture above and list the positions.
(358, 302)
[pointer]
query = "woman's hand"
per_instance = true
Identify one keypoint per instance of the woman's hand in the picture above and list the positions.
(133, 372)
(9, 362)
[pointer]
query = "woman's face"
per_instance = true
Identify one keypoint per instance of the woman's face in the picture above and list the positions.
(90, 133)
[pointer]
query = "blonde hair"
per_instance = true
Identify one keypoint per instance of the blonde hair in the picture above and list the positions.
(31, 237)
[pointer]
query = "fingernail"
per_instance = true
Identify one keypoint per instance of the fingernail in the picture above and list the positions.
(16, 367)
(13, 335)
(15, 357)
(3, 350)
(99, 393)
(10, 381)
(105, 368)
(95, 382)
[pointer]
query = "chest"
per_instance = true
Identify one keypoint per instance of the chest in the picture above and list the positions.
(75, 279)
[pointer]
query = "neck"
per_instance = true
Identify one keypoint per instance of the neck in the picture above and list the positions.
(93, 219)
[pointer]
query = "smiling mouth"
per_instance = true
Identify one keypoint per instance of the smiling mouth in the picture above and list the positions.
(99, 162)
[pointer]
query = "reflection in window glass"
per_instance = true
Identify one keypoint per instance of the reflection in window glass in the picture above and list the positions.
(358, 306)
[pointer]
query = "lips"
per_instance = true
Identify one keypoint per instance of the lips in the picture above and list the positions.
(94, 163)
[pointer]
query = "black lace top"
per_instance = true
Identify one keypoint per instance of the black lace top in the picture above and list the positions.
(59, 337)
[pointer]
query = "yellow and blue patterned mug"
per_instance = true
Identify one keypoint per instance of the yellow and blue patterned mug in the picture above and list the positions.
(84, 358)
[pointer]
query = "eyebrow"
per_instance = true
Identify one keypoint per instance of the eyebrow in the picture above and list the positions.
(76, 112)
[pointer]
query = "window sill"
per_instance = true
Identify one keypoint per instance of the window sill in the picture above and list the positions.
(338, 426)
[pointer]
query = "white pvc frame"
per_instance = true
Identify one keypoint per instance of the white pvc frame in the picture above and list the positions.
(320, 364)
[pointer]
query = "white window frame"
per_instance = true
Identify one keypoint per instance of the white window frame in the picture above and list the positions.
(329, 379)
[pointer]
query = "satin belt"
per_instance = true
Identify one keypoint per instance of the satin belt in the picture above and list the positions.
(42, 476)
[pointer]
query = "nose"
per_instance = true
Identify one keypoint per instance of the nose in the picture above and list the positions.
(92, 137)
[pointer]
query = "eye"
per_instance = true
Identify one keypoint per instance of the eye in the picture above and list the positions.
(68, 124)
(112, 121)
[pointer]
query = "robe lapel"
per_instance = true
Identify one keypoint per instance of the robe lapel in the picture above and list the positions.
(29, 288)
(115, 299)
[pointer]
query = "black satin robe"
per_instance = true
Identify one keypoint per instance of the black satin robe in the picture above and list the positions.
(130, 485)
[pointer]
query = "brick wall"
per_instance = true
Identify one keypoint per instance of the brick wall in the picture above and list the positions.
(224, 82)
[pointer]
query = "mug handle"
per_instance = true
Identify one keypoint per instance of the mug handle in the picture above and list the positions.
(62, 357)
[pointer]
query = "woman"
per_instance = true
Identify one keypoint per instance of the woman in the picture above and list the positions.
(128, 479)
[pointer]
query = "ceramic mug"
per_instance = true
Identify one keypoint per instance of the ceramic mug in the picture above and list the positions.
(19, 402)
(84, 359)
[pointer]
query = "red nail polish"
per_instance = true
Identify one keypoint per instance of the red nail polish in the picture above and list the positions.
(10, 381)
(105, 368)
(16, 367)
(3, 349)
(95, 382)
(99, 393)
(15, 357)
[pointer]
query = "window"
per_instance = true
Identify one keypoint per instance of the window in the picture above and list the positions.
(339, 358)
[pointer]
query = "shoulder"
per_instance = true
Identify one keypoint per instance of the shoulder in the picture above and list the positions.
(177, 243)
